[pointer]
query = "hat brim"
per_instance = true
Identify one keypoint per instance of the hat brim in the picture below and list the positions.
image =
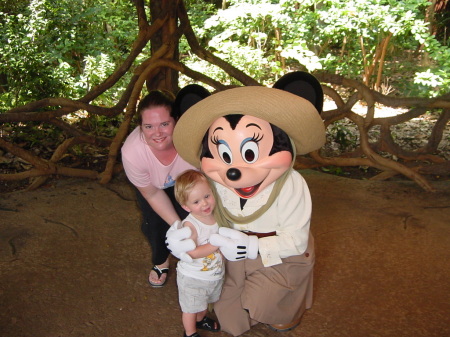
(293, 114)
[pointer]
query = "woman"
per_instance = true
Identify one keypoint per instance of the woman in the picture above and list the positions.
(152, 164)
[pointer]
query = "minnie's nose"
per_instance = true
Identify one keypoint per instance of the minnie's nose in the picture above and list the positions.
(234, 174)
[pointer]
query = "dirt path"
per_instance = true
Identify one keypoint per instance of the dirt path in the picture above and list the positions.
(74, 263)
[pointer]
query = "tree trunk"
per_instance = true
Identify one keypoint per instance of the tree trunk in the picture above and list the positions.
(166, 78)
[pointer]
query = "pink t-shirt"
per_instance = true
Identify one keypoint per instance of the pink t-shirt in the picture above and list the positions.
(143, 168)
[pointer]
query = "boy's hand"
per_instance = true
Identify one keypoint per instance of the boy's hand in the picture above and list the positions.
(178, 242)
(235, 245)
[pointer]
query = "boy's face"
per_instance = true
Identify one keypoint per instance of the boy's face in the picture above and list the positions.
(200, 202)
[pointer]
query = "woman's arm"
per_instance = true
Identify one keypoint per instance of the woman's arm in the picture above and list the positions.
(160, 202)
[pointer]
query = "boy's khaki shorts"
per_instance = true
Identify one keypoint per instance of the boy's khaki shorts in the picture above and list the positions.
(194, 294)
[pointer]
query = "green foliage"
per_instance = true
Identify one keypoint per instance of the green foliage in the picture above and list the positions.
(336, 170)
(246, 34)
(62, 48)
(34, 136)
(102, 126)
(268, 38)
(342, 135)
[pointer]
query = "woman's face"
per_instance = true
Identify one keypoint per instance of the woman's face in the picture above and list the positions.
(157, 127)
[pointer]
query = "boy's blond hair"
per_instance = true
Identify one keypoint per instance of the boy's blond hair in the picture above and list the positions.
(185, 182)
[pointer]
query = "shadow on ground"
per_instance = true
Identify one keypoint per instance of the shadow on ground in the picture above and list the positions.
(74, 263)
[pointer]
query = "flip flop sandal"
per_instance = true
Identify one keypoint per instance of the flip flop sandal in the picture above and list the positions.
(159, 272)
(208, 324)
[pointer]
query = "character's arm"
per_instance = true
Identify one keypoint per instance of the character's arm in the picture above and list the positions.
(235, 245)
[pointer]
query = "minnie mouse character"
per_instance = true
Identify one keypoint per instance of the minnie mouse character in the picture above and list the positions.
(245, 140)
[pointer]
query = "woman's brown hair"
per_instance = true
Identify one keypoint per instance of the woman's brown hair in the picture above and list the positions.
(155, 98)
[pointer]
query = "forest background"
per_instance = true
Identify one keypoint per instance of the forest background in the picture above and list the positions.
(369, 55)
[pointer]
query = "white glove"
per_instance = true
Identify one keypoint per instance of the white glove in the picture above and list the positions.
(178, 242)
(235, 245)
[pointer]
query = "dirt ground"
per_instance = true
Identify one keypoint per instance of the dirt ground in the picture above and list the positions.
(73, 262)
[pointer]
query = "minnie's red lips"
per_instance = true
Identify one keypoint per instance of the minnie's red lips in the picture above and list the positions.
(247, 192)
(248, 189)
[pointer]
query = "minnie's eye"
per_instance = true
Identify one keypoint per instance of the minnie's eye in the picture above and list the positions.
(250, 152)
(225, 152)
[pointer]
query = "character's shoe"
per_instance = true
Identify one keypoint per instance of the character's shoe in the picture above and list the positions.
(285, 327)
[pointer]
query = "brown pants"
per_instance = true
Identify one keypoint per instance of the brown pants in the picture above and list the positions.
(255, 294)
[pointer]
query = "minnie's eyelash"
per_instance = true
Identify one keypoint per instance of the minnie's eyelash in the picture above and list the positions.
(256, 138)
(215, 140)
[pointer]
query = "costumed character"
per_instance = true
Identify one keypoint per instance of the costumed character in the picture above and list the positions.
(245, 140)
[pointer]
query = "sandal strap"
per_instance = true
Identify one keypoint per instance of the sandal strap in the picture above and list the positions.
(160, 271)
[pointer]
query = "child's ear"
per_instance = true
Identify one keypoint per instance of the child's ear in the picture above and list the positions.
(186, 208)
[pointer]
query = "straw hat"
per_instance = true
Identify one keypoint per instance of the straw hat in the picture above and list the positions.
(293, 114)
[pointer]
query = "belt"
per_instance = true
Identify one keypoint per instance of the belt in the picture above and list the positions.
(261, 235)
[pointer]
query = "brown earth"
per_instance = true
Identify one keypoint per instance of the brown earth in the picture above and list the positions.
(74, 263)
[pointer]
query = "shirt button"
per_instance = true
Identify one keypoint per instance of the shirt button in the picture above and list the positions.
(306, 254)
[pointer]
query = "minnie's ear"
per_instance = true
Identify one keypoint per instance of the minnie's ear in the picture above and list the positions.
(187, 97)
(304, 85)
